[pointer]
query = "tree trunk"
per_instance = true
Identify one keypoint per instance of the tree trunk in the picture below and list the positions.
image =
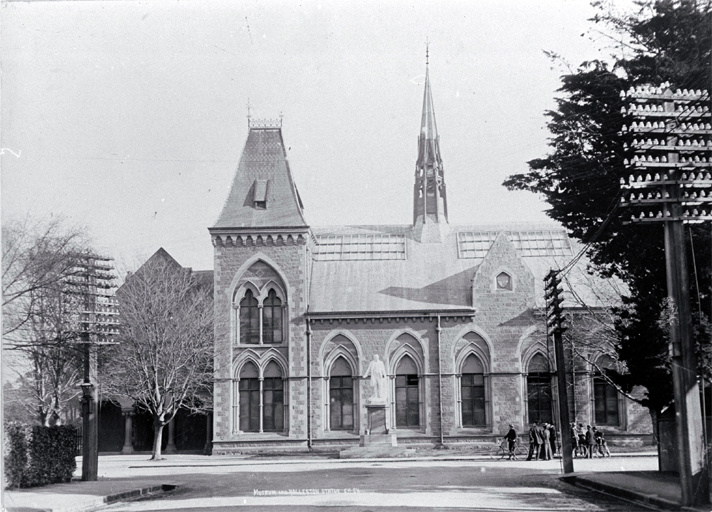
(654, 418)
(157, 439)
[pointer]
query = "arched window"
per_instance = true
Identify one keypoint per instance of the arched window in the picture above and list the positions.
(273, 398)
(539, 390)
(249, 399)
(341, 396)
(249, 319)
(272, 319)
(407, 394)
(504, 281)
(472, 392)
(605, 397)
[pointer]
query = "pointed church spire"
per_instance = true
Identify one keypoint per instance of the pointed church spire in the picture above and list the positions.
(430, 200)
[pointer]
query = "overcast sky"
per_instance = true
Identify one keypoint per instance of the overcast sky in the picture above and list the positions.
(130, 117)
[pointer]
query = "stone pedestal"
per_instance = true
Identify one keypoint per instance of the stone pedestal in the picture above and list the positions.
(377, 442)
(377, 419)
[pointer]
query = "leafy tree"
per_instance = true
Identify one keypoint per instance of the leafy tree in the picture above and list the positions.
(164, 359)
(660, 41)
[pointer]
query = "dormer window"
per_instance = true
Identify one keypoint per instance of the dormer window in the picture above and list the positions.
(259, 197)
(504, 281)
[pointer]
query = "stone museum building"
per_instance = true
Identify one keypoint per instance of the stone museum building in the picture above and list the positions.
(453, 311)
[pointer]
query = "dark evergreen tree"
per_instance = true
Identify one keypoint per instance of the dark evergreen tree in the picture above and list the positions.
(662, 41)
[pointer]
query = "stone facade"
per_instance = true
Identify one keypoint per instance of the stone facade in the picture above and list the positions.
(454, 312)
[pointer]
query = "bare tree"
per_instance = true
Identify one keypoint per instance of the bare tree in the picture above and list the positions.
(40, 317)
(164, 360)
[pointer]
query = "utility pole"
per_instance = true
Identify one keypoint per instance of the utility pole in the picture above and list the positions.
(675, 147)
(555, 329)
(93, 284)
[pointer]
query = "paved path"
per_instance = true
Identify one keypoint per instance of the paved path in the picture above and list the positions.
(207, 484)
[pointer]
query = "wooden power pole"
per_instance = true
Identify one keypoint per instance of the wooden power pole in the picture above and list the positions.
(672, 160)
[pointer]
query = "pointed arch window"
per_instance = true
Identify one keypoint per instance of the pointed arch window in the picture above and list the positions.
(472, 392)
(259, 319)
(341, 396)
(272, 318)
(605, 397)
(539, 396)
(261, 400)
(407, 394)
(249, 319)
(249, 399)
(273, 399)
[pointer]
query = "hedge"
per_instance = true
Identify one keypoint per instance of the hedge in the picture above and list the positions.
(38, 455)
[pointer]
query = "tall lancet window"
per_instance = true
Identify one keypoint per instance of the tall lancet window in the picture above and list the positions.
(249, 319)
(272, 319)
(407, 394)
(472, 388)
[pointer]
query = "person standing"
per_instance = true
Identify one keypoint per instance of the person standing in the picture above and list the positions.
(545, 442)
(534, 441)
(511, 439)
(552, 439)
(589, 442)
(574, 440)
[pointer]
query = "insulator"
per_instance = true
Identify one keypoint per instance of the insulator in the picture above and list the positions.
(704, 160)
(656, 177)
(686, 143)
(642, 215)
(657, 159)
(623, 111)
(640, 178)
(659, 215)
(678, 92)
(625, 145)
(698, 92)
(631, 179)
(686, 213)
(624, 129)
(650, 142)
(650, 158)
(703, 193)
(684, 176)
(694, 143)
(658, 195)
(651, 214)
(663, 159)
(708, 176)
(649, 196)
(622, 94)
(648, 124)
(622, 182)
(633, 126)
(665, 177)
(708, 126)
(709, 142)
(695, 212)
(685, 92)
(686, 195)
(683, 160)
(648, 177)
(625, 162)
(697, 159)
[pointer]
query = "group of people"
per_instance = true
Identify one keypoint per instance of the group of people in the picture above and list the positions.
(542, 441)
(589, 441)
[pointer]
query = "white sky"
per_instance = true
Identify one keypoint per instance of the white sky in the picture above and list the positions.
(130, 117)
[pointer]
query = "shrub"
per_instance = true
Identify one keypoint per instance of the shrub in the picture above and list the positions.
(39, 455)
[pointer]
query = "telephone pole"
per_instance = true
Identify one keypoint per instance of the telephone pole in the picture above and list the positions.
(555, 328)
(93, 284)
(671, 184)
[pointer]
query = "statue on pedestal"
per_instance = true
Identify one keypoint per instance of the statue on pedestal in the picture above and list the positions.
(377, 371)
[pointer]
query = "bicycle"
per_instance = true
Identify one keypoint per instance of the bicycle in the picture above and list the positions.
(502, 450)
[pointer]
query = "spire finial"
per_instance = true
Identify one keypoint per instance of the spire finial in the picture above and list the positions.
(249, 112)
(427, 52)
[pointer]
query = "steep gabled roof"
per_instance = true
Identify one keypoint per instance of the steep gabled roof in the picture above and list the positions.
(263, 193)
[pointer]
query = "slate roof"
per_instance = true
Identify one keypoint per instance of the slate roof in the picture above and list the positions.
(263, 173)
(432, 277)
